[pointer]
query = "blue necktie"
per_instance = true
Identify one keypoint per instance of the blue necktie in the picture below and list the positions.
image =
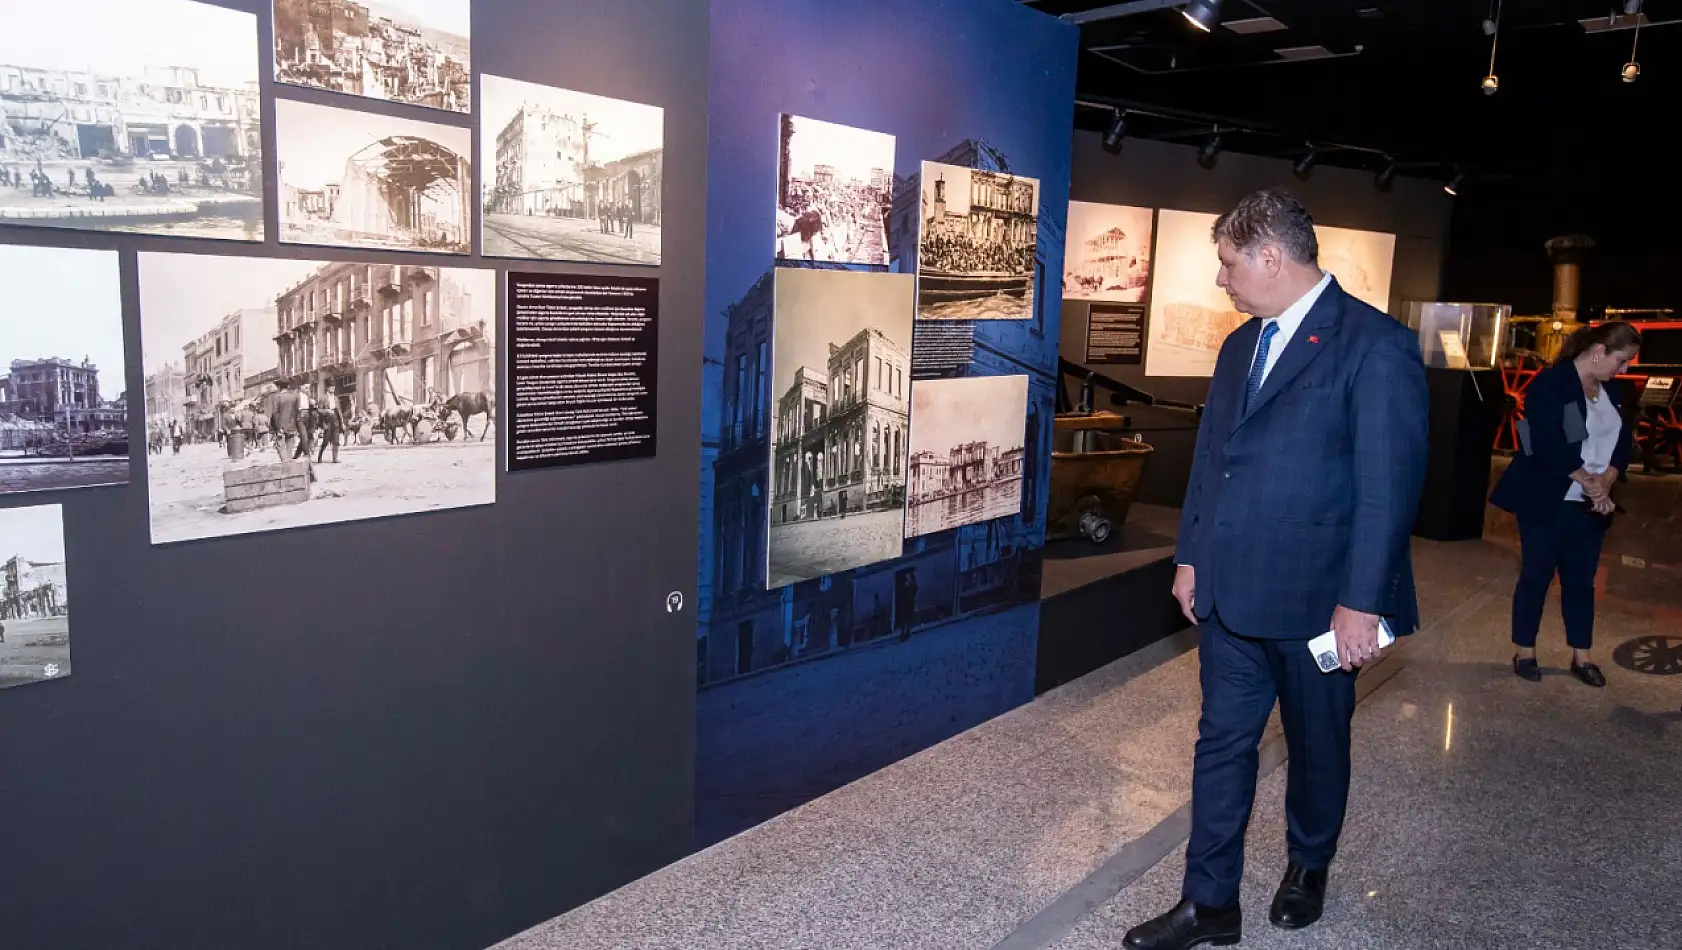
(1259, 367)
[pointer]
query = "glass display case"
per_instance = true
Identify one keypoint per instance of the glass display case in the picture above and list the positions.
(1459, 335)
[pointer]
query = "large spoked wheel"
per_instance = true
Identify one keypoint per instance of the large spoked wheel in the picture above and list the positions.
(1517, 370)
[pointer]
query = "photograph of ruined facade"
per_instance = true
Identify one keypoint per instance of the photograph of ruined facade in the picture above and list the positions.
(1189, 316)
(357, 179)
(1108, 253)
(410, 51)
(150, 123)
(576, 177)
(835, 188)
(975, 247)
(314, 392)
(63, 409)
(967, 439)
(34, 598)
(841, 379)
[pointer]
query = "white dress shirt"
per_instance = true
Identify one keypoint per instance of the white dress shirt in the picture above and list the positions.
(1288, 323)
(1604, 425)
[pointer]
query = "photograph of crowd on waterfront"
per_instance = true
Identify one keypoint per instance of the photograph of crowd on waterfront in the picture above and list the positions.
(410, 51)
(34, 596)
(131, 115)
(975, 250)
(967, 441)
(358, 179)
(1107, 253)
(840, 385)
(835, 188)
(577, 177)
(63, 409)
(281, 394)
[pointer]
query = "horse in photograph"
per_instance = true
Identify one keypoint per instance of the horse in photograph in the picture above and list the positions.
(466, 405)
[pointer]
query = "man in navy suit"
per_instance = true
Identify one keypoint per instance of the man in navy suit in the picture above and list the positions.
(1306, 479)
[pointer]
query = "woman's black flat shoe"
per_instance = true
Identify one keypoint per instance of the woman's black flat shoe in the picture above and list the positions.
(1589, 674)
(1527, 669)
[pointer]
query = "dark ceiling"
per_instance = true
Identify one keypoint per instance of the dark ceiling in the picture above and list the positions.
(1400, 77)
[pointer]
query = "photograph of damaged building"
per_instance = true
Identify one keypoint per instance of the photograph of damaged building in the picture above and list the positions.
(355, 179)
(577, 177)
(410, 51)
(362, 391)
(150, 124)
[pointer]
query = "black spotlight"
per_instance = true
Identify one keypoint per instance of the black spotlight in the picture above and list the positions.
(1386, 174)
(1211, 148)
(1307, 161)
(1454, 183)
(1118, 128)
(1203, 14)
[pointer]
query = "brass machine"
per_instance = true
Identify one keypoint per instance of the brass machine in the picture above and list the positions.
(1097, 460)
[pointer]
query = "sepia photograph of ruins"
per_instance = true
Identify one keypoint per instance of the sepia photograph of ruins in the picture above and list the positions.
(63, 405)
(359, 179)
(149, 123)
(411, 51)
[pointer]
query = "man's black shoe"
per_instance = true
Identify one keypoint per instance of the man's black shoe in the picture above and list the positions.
(1301, 898)
(1188, 925)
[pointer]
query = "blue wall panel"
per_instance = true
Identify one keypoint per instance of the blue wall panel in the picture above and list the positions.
(808, 687)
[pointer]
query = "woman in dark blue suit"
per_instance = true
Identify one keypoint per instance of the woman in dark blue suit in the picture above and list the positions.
(1574, 445)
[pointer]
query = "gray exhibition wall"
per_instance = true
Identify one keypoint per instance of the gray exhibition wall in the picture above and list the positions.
(1161, 175)
(427, 731)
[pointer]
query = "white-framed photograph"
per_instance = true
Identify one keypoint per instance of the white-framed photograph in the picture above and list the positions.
(569, 176)
(64, 403)
(835, 191)
(975, 248)
(416, 52)
(283, 394)
(841, 389)
(360, 179)
(1107, 254)
(968, 436)
(34, 596)
(138, 116)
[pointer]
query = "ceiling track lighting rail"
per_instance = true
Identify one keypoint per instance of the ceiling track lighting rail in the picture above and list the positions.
(1220, 129)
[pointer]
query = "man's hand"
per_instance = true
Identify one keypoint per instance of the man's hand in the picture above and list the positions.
(1185, 590)
(1604, 506)
(1357, 637)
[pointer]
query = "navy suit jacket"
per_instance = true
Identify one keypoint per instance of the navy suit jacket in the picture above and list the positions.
(1307, 500)
(1536, 482)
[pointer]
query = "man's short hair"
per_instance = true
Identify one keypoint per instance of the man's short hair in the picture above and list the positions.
(1271, 216)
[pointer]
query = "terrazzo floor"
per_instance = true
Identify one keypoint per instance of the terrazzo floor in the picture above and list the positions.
(1486, 812)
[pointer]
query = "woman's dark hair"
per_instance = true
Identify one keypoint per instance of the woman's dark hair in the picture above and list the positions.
(1615, 335)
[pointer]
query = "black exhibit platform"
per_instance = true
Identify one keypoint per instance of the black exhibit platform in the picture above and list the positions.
(1100, 602)
(1466, 407)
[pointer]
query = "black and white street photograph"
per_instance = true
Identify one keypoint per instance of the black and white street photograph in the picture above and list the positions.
(358, 179)
(835, 189)
(139, 116)
(975, 250)
(967, 443)
(282, 394)
(34, 598)
(840, 390)
(411, 51)
(577, 177)
(63, 405)
(1107, 255)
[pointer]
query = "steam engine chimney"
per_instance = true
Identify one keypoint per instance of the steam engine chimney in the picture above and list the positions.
(1566, 251)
